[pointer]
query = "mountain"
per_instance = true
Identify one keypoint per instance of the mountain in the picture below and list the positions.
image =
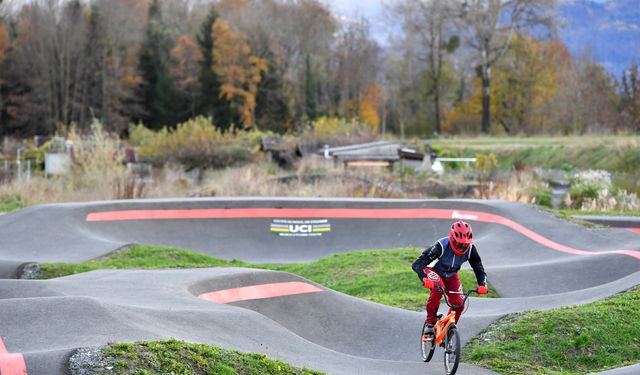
(609, 30)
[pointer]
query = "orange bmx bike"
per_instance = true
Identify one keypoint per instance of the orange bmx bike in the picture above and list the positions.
(445, 334)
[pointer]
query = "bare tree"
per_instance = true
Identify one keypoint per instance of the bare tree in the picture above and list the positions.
(356, 64)
(431, 21)
(489, 26)
(584, 101)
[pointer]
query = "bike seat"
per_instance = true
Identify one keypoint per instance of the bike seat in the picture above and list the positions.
(440, 316)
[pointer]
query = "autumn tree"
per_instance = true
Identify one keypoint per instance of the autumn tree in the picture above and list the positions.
(526, 82)
(369, 106)
(185, 66)
(4, 42)
(239, 71)
(489, 26)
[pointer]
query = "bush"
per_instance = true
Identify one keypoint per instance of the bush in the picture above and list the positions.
(593, 191)
(196, 144)
(98, 162)
(581, 193)
(336, 132)
(543, 198)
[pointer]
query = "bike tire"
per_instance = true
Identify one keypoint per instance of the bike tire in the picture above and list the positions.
(451, 350)
(427, 348)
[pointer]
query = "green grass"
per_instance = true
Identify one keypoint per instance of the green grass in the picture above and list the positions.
(10, 203)
(601, 213)
(382, 276)
(177, 357)
(612, 153)
(569, 340)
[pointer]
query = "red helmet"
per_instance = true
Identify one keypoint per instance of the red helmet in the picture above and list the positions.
(460, 237)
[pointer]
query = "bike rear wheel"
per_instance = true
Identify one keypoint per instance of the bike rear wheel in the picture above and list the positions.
(428, 347)
(451, 350)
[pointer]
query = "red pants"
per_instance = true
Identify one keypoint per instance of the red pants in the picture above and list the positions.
(450, 284)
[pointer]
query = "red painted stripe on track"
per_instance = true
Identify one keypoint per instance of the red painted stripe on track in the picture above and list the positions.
(11, 363)
(263, 291)
(343, 213)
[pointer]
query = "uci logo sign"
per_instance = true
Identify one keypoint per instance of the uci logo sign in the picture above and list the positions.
(300, 228)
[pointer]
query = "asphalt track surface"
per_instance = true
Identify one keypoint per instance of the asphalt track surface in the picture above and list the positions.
(534, 260)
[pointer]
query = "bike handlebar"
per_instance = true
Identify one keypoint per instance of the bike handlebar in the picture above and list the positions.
(465, 294)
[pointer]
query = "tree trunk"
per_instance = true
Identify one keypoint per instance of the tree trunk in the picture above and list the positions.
(486, 101)
(436, 101)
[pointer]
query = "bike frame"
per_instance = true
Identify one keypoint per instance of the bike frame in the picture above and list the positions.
(442, 325)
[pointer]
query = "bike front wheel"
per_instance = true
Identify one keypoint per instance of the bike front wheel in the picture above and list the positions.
(451, 350)
(427, 343)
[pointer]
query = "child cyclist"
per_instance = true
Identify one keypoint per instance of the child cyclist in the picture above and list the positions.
(450, 252)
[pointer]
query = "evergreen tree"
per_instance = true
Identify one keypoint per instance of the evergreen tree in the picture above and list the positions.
(310, 92)
(272, 111)
(94, 74)
(161, 102)
(210, 103)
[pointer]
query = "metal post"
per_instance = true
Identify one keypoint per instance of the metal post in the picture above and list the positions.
(29, 169)
(19, 164)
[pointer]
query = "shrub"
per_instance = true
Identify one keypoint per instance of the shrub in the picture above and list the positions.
(98, 163)
(336, 132)
(543, 198)
(196, 144)
(581, 193)
(593, 191)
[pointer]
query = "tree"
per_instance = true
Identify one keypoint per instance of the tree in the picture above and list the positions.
(185, 62)
(369, 106)
(310, 104)
(431, 22)
(356, 66)
(630, 102)
(210, 102)
(4, 46)
(490, 25)
(240, 72)
(94, 74)
(272, 109)
(585, 99)
(162, 106)
(4, 42)
(526, 82)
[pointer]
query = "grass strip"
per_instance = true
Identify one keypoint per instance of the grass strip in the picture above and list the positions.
(570, 340)
(382, 276)
(600, 213)
(9, 203)
(177, 357)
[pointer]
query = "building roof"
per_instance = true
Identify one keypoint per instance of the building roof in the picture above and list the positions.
(382, 150)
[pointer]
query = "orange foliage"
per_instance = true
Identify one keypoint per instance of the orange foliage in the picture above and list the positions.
(4, 43)
(239, 71)
(368, 106)
(185, 59)
(465, 117)
(523, 88)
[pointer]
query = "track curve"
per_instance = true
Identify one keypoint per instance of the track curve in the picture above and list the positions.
(532, 258)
